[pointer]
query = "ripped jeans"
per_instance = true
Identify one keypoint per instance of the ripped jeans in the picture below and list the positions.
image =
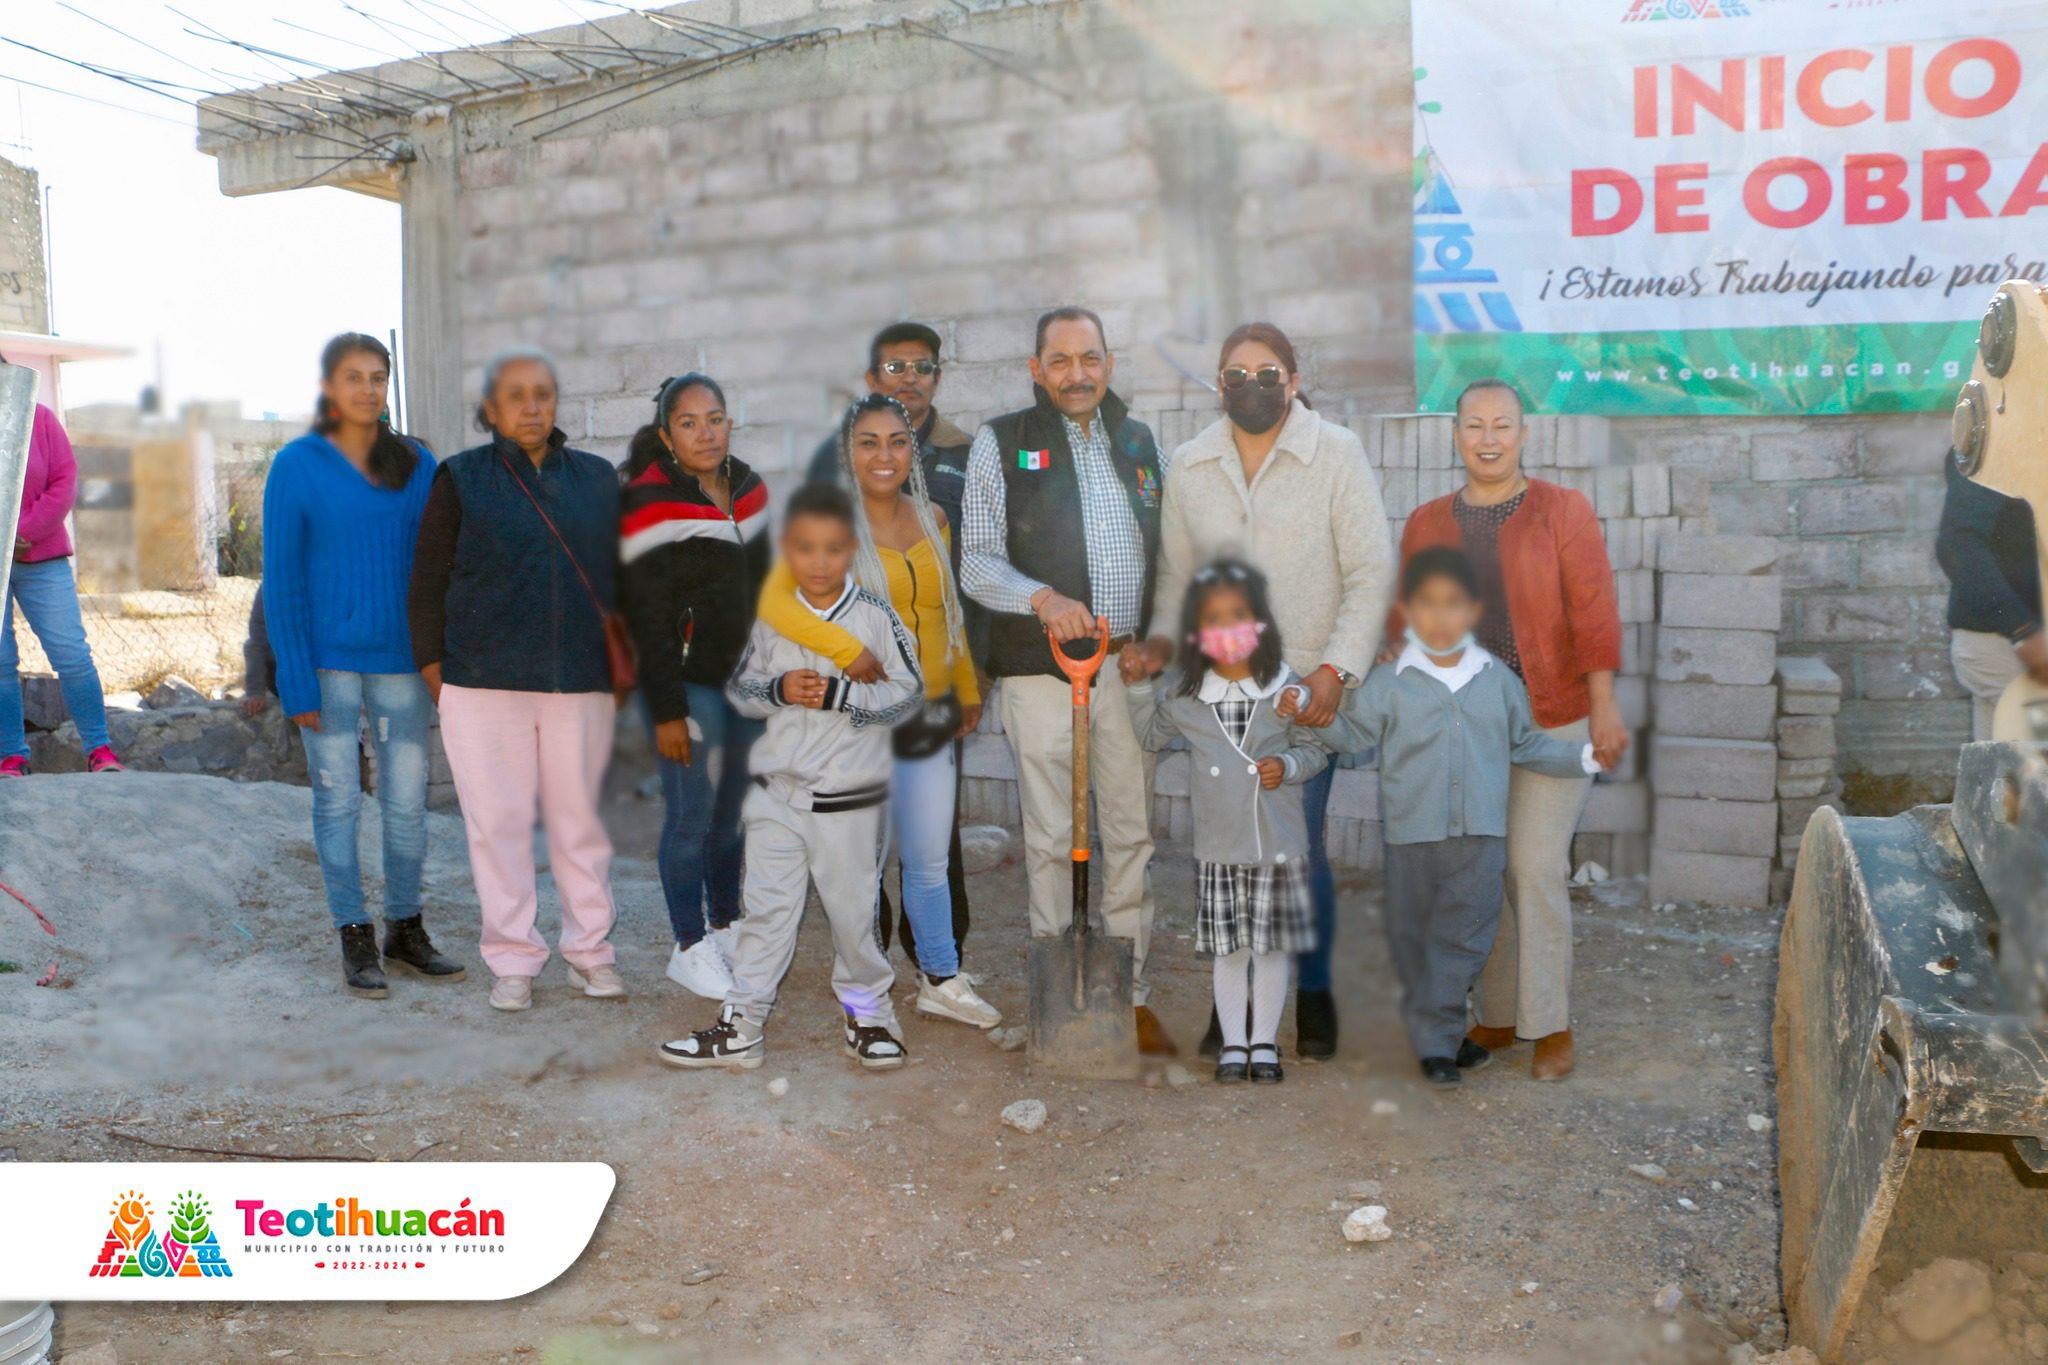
(399, 714)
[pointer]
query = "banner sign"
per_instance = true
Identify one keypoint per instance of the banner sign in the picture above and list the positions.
(1722, 206)
(294, 1230)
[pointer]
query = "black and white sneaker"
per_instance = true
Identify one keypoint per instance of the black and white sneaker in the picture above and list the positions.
(873, 1046)
(732, 1042)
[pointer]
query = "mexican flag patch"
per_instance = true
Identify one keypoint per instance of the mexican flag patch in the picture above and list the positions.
(1034, 459)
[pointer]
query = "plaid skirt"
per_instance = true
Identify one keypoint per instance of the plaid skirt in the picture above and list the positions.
(1263, 907)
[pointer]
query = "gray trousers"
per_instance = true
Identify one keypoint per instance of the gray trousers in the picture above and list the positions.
(787, 851)
(1443, 908)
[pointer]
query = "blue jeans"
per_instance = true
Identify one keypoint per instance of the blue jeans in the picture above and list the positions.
(1312, 968)
(48, 596)
(703, 843)
(921, 808)
(400, 712)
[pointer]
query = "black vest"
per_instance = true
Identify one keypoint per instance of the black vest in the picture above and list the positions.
(519, 619)
(1042, 497)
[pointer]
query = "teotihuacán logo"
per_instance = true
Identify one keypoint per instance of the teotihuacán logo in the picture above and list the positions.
(194, 1230)
(185, 1247)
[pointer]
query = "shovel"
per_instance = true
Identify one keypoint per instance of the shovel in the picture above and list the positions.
(1082, 1022)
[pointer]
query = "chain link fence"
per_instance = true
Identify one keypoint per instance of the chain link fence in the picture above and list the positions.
(168, 553)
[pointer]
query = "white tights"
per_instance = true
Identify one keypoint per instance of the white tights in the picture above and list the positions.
(1259, 977)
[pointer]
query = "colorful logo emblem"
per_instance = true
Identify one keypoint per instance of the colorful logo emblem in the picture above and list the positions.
(1034, 459)
(1685, 9)
(1148, 484)
(185, 1248)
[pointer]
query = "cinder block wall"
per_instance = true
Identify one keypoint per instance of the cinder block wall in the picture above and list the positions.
(1181, 167)
(24, 285)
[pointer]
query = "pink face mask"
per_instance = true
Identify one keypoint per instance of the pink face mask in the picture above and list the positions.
(1230, 644)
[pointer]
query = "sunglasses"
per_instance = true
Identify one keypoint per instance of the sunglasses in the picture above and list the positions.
(1269, 376)
(925, 368)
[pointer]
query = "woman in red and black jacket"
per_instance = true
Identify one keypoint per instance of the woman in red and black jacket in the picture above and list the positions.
(694, 549)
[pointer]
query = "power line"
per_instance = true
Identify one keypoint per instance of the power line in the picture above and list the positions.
(104, 104)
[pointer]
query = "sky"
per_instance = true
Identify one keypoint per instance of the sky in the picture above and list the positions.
(233, 298)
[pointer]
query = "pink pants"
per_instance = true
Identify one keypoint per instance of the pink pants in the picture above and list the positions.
(513, 752)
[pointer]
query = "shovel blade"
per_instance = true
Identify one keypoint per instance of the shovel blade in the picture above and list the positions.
(1096, 1038)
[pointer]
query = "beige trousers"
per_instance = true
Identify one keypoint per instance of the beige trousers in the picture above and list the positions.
(1528, 978)
(1038, 719)
(1986, 665)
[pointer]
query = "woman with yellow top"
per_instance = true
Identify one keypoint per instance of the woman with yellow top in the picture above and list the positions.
(903, 557)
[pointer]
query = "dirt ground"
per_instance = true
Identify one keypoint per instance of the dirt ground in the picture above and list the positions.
(874, 1216)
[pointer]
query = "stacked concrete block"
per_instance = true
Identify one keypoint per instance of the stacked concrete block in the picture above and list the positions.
(1809, 699)
(988, 771)
(1714, 765)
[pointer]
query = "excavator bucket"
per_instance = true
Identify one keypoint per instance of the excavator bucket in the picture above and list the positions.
(1911, 1034)
(1912, 1083)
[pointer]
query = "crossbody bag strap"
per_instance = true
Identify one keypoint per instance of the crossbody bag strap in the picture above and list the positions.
(597, 604)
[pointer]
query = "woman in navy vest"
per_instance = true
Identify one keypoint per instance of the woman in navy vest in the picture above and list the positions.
(341, 513)
(510, 588)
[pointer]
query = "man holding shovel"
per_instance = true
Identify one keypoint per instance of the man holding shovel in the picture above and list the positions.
(1060, 529)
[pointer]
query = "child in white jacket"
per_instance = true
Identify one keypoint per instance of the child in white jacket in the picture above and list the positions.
(815, 816)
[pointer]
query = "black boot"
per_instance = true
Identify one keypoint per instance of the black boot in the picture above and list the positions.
(360, 969)
(406, 945)
(1315, 1025)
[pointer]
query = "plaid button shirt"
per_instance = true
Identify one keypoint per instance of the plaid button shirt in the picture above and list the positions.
(1116, 547)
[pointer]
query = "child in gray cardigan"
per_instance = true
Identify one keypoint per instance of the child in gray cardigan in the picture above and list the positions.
(1448, 720)
(1246, 767)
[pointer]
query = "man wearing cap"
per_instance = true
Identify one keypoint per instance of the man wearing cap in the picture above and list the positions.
(1060, 530)
(903, 363)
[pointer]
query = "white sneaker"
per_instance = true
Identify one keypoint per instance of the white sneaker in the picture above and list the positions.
(728, 941)
(732, 1042)
(956, 1000)
(701, 969)
(512, 993)
(599, 983)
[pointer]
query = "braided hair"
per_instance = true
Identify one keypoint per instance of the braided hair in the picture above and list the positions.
(392, 458)
(867, 561)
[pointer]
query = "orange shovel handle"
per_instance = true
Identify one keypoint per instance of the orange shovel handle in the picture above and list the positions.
(1081, 671)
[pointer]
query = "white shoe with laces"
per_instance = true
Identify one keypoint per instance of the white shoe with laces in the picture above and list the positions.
(874, 1047)
(956, 1000)
(599, 983)
(732, 1043)
(701, 969)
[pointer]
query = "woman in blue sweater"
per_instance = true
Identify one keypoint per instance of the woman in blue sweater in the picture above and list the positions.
(341, 513)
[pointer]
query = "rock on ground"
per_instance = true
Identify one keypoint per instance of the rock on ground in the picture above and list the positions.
(215, 740)
(1934, 1301)
(172, 692)
(983, 847)
(1026, 1116)
(1367, 1224)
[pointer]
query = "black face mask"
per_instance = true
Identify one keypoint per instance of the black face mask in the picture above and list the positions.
(1254, 409)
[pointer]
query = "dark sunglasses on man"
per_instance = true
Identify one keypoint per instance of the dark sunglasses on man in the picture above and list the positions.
(1268, 376)
(898, 368)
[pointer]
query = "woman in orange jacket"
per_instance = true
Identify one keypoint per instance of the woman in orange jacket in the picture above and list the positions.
(1550, 615)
